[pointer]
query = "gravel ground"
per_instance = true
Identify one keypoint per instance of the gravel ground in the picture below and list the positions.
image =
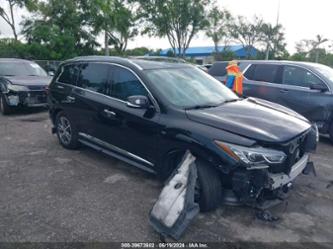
(49, 194)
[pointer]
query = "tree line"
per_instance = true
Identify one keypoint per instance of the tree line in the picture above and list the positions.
(61, 29)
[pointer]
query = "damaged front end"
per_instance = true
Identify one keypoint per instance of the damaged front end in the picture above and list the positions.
(28, 96)
(265, 175)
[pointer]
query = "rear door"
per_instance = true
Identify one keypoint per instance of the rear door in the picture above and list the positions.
(128, 132)
(298, 95)
(62, 90)
(89, 96)
(263, 81)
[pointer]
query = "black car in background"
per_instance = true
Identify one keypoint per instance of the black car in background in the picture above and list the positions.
(149, 113)
(23, 83)
(305, 87)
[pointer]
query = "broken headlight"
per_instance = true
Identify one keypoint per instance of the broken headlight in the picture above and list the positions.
(253, 155)
(17, 88)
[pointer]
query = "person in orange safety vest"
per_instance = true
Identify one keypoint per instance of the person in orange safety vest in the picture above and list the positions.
(234, 78)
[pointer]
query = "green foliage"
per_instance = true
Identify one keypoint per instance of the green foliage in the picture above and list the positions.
(115, 19)
(273, 38)
(17, 49)
(9, 16)
(178, 20)
(61, 27)
(312, 48)
(219, 22)
(248, 33)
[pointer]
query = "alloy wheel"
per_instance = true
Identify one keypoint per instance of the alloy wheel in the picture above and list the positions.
(64, 130)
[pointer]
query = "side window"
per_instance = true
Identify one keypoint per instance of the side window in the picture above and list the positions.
(69, 74)
(94, 77)
(125, 84)
(265, 73)
(249, 74)
(218, 69)
(297, 76)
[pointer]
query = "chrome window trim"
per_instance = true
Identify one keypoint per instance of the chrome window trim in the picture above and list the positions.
(115, 148)
(157, 107)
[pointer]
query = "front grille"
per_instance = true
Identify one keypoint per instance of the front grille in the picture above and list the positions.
(33, 98)
(294, 150)
(36, 88)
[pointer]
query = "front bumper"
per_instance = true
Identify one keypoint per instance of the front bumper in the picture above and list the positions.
(279, 180)
(262, 188)
(28, 99)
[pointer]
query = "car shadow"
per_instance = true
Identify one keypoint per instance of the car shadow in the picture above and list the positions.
(325, 140)
(26, 111)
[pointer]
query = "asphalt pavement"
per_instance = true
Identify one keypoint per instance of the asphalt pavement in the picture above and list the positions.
(49, 194)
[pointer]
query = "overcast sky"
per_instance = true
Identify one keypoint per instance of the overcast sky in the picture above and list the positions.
(302, 19)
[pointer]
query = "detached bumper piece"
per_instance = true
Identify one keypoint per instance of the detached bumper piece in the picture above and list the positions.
(175, 207)
(282, 179)
(29, 99)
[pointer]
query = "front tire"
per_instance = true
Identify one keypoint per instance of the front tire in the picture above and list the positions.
(4, 107)
(209, 187)
(208, 192)
(66, 131)
(331, 133)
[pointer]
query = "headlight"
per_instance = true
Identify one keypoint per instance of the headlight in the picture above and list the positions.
(17, 88)
(253, 155)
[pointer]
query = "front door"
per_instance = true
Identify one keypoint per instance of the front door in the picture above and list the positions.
(298, 94)
(129, 131)
(262, 81)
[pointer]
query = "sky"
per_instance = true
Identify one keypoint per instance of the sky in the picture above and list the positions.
(301, 19)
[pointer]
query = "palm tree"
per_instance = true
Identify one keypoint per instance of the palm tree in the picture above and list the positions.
(273, 37)
(316, 45)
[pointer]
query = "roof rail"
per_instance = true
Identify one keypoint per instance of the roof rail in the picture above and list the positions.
(160, 58)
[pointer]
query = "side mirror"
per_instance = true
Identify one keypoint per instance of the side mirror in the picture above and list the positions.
(138, 101)
(319, 87)
(51, 73)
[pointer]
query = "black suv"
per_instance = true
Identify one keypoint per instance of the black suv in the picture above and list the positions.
(23, 83)
(305, 87)
(149, 113)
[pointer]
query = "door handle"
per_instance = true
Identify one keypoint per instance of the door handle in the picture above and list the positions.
(70, 99)
(60, 87)
(109, 113)
(284, 90)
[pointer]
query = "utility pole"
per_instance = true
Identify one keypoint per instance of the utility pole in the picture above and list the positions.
(278, 13)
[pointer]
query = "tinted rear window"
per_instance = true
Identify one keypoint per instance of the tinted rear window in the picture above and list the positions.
(94, 77)
(218, 69)
(69, 74)
(262, 72)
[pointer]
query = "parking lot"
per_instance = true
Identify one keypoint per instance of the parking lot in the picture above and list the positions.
(49, 194)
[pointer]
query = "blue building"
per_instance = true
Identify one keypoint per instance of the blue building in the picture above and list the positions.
(205, 54)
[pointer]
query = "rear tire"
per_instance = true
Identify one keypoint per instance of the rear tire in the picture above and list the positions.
(210, 187)
(4, 107)
(66, 131)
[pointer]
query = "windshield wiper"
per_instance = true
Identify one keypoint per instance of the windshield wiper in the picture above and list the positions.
(230, 100)
(196, 107)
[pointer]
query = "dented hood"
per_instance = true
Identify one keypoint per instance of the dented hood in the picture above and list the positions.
(253, 118)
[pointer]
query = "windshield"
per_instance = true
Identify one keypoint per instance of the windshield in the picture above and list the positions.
(326, 71)
(189, 87)
(21, 69)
